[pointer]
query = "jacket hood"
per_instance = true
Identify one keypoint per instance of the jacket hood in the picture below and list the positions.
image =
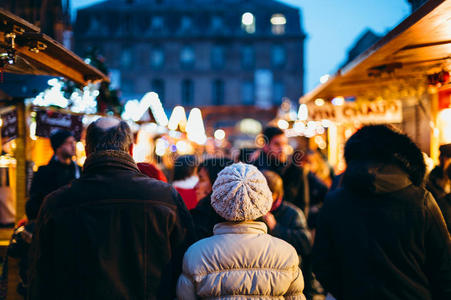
(375, 178)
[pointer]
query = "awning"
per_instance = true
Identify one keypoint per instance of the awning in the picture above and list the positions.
(420, 45)
(25, 50)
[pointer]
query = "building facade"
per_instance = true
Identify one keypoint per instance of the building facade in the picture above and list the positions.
(52, 16)
(198, 52)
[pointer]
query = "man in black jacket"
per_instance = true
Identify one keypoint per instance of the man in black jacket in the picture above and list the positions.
(301, 187)
(381, 235)
(287, 222)
(60, 171)
(438, 183)
(114, 233)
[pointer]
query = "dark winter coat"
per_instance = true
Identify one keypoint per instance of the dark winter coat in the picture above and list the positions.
(445, 206)
(301, 188)
(114, 233)
(389, 242)
(436, 182)
(47, 179)
(205, 218)
(291, 227)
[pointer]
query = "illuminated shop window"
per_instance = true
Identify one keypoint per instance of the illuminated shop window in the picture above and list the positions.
(248, 22)
(278, 22)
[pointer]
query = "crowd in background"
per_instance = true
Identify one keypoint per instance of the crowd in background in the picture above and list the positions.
(266, 224)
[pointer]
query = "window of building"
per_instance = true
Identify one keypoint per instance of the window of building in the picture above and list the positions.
(217, 23)
(157, 58)
(218, 92)
(126, 58)
(126, 86)
(187, 92)
(187, 57)
(278, 92)
(278, 22)
(247, 93)
(186, 23)
(157, 22)
(248, 57)
(248, 22)
(159, 88)
(217, 57)
(278, 56)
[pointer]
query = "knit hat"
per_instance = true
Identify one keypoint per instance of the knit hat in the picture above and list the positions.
(241, 193)
(59, 137)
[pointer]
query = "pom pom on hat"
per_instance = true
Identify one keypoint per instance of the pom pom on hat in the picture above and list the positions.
(241, 193)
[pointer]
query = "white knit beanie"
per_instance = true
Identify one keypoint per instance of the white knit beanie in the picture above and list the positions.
(241, 193)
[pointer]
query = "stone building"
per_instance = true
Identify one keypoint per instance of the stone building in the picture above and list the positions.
(52, 16)
(198, 52)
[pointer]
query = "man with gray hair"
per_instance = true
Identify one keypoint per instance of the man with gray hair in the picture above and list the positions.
(114, 233)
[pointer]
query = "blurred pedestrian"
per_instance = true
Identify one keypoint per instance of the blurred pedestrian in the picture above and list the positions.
(302, 188)
(287, 222)
(241, 260)
(60, 171)
(381, 235)
(114, 233)
(185, 179)
(445, 203)
(204, 216)
(438, 183)
(152, 171)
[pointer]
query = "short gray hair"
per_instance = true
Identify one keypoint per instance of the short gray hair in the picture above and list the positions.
(108, 134)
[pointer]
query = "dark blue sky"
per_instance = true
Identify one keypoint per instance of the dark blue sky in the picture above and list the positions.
(332, 26)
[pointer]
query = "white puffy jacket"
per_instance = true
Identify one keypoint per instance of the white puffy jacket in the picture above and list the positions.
(241, 261)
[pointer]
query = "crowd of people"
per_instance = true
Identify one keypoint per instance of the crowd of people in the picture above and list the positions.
(265, 227)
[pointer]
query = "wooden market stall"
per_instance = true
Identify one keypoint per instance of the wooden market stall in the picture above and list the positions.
(24, 49)
(410, 66)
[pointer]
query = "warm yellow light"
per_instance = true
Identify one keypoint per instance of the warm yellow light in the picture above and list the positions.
(283, 124)
(195, 127)
(319, 102)
(278, 19)
(299, 127)
(80, 146)
(161, 146)
(324, 78)
(183, 147)
(338, 101)
(303, 112)
(444, 123)
(247, 19)
(220, 134)
(178, 118)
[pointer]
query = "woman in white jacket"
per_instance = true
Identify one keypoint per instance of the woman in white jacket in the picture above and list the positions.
(241, 261)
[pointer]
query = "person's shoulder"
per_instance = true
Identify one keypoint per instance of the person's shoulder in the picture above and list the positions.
(56, 199)
(284, 250)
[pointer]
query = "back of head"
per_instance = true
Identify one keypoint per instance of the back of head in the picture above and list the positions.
(108, 134)
(383, 145)
(270, 132)
(184, 167)
(214, 165)
(275, 182)
(241, 193)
